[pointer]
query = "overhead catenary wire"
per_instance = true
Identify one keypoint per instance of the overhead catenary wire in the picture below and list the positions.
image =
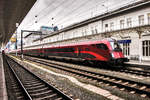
(69, 3)
(61, 19)
(46, 13)
(75, 15)
(67, 16)
(65, 19)
(80, 14)
(76, 8)
(42, 10)
(52, 10)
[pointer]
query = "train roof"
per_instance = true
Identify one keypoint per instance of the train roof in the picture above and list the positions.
(87, 43)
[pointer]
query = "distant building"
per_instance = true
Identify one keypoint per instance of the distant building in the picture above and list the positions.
(48, 30)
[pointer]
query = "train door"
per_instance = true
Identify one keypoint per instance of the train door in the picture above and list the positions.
(79, 53)
(41, 52)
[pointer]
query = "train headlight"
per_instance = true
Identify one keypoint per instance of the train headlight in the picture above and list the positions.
(112, 55)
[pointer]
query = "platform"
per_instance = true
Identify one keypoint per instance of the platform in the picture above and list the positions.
(3, 93)
(138, 63)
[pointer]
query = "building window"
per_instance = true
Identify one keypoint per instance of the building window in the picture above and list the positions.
(92, 30)
(126, 49)
(96, 30)
(148, 18)
(112, 26)
(141, 20)
(106, 27)
(85, 32)
(73, 35)
(57, 38)
(146, 47)
(122, 24)
(129, 22)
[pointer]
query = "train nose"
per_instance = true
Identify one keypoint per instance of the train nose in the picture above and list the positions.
(122, 60)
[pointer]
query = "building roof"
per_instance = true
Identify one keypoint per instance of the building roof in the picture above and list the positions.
(12, 12)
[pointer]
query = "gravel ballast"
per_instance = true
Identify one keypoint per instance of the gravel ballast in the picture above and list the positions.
(79, 92)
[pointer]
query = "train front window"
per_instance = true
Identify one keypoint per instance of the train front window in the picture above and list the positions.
(115, 46)
(102, 46)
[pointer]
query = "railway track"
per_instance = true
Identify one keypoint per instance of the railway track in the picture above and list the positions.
(14, 89)
(29, 86)
(136, 72)
(125, 70)
(124, 84)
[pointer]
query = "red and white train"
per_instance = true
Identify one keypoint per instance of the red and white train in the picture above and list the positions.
(103, 51)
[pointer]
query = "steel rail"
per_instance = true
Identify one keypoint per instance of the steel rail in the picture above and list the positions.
(121, 84)
(66, 97)
(19, 81)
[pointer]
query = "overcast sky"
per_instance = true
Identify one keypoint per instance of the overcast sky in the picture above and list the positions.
(62, 13)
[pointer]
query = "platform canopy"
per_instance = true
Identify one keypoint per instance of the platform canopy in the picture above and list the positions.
(12, 12)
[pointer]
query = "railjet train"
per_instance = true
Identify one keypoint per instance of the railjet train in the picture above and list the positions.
(96, 52)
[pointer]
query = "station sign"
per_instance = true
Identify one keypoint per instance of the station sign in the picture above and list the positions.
(55, 28)
(124, 41)
(13, 39)
(46, 28)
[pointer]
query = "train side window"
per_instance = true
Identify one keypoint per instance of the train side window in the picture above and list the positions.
(69, 50)
(72, 50)
(86, 49)
(102, 46)
(61, 50)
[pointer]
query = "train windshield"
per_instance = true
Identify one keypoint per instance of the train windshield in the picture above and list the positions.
(102, 46)
(115, 46)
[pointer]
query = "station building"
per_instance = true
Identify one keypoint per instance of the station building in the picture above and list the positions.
(130, 25)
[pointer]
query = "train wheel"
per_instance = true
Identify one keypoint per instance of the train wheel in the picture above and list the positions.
(85, 62)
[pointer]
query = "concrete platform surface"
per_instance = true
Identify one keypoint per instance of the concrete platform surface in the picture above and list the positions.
(139, 63)
(3, 93)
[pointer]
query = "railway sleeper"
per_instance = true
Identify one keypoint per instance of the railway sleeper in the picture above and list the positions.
(39, 90)
(34, 88)
(40, 94)
(34, 85)
(32, 82)
(51, 97)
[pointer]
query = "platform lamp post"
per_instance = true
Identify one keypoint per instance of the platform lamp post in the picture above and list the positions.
(21, 45)
(17, 25)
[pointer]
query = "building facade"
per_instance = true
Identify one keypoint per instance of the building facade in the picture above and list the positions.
(130, 25)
